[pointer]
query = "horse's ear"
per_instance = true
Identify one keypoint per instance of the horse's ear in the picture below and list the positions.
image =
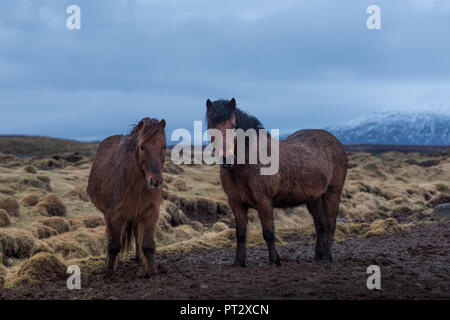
(208, 104)
(233, 104)
(163, 123)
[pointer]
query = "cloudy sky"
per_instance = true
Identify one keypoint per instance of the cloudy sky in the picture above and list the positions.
(294, 64)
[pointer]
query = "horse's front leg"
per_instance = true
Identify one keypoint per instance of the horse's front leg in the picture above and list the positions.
(240, 214)
(265, 213)
(114, 235)
(147, 240)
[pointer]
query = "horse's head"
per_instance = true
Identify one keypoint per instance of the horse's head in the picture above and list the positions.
(221, 115)
(151, 150)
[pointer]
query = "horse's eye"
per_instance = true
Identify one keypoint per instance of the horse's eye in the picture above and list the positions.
(142, 148)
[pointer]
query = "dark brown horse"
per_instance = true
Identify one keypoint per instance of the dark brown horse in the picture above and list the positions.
(125, 184)
(312, 170)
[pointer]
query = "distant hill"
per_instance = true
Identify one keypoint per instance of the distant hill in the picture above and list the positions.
(28, 146)
(378, 132)
(389, 128)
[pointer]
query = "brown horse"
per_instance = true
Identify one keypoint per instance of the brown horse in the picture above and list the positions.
(125, 184)
(312, 170)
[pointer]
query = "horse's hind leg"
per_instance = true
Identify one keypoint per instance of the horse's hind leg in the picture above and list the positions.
(137, 256)
(114, 233)
(324, 212)
(265, 213)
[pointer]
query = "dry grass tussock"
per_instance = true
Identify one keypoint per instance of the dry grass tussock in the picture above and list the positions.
(4, 218)
(51, 205)
(38, 270)
(30, 200)
(10, 205)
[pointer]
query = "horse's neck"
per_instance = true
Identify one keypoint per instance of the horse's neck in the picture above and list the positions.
(128, 166)
(256, 147)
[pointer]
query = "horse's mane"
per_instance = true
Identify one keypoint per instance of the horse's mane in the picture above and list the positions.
(221, 111)
(146, 129)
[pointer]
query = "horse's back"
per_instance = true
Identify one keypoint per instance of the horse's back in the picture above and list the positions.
(314, 136)
(318, 140)
(107, 146)
(319, 151)
(102, 171)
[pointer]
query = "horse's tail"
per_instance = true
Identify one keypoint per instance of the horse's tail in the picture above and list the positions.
(128, 234)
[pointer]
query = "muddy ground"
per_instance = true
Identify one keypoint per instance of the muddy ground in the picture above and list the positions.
(414, 265)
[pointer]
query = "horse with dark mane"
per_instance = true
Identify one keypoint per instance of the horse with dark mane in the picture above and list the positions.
(125, 184)
(312, 170)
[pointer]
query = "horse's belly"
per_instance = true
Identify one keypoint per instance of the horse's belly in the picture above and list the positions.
(295, 195)
(287, 202)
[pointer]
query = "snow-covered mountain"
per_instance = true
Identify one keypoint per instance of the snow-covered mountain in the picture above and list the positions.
(415, 128)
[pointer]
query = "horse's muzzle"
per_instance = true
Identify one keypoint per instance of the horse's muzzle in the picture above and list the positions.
(154, 184)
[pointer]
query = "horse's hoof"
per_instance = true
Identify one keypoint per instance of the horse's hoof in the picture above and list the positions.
(276, 263)
(318, 256)
(108, 274)
(322, 257)
(148, 275)
(240, 264)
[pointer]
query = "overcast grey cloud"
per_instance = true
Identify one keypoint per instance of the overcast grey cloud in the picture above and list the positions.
(293, 64)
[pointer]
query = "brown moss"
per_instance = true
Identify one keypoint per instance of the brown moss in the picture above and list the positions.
(41, 268)
(440, 199)
(7, 190)
(43, 232)
(20, 243)
(44, 179)
(180, 184)
(172, 168)
(48, 164)
(168, 178)
(10, 205)
(38, 182)
(79, 244)
(175, 216)
(94, 222)
(349, 230)
(79, 193)
(30, 169)
(4, 218)
(59, 224)
(219, 227)
(375, 215)
(163, 238)
(51, 205)
(389, 226)
(3, 273)
(30, 200)
(443, 188)
(203, 209)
